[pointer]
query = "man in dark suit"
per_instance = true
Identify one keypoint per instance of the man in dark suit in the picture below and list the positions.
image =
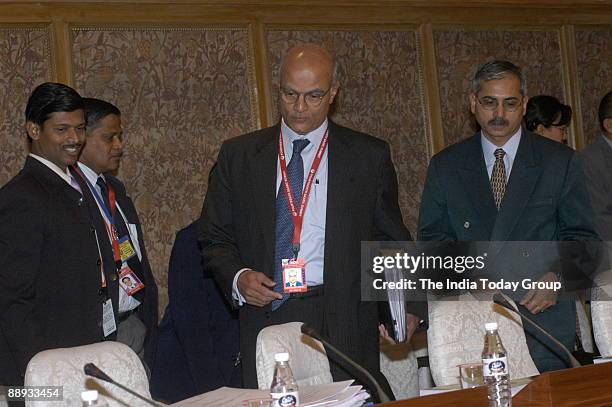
(136, 308)
(52, 280)
(598, 169)
(506, 184)
(248, 231)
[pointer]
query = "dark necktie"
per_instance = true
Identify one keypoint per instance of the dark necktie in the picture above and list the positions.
(284, 220)
(498, 177)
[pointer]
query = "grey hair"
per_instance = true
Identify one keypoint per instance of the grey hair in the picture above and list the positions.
(495, 70)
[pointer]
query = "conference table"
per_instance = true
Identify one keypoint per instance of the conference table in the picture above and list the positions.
(582, 386)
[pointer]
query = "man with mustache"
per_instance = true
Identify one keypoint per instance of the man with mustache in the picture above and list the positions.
(506, 184)
(136, 309)
(53, 283)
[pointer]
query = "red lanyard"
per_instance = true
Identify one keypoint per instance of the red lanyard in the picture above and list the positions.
(298, 216)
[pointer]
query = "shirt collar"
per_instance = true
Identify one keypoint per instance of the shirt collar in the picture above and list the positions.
(65, 175)
(510, 148)
(90, 174)
(315, 136)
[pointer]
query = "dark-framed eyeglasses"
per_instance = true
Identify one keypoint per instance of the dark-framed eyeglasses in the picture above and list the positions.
(313, 98)
(510, 104)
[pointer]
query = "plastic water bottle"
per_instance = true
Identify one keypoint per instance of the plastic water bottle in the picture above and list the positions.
(284, 389)
(90, 398)
(495, 368)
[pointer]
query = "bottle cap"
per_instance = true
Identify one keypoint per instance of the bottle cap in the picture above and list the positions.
(90, 395)
(281, 357)
(491, 326)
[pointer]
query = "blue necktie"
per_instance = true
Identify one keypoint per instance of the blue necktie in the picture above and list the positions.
(284, 220)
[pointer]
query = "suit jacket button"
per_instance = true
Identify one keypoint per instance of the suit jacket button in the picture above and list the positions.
(80, 201)
(92, 229)
(114, 277)
(466, 225)
(98, 262)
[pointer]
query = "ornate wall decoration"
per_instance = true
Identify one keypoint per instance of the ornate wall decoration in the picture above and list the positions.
(25, 63)
(594, 57)
(459, 52)
(381, 94)
(182, 91)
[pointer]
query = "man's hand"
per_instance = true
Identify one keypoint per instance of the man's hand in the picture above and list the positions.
(253, 285)
(412, 323)
(537, 300)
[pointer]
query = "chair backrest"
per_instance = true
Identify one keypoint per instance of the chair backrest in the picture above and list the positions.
(601, 314)
(307, 356)
(64, 367)
(398, 363)
(456, 332)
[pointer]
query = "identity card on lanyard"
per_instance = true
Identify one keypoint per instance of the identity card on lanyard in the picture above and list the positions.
(294, 269)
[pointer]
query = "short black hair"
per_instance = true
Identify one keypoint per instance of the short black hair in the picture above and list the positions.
(96, 110)
(546, 110)
(49, 98)
(605, 109)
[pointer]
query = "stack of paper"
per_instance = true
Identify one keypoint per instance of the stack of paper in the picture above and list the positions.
(340, 394)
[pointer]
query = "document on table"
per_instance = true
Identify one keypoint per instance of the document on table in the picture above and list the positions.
(340, 394)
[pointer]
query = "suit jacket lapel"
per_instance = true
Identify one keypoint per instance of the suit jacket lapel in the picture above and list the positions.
(340, 189)
(476, 183)
(263, 172)
(606, 152)
(524, 176)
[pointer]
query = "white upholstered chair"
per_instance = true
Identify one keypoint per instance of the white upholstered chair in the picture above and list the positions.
(307, 356)
(399, 365)
(601, 314)
(64, 367)
(456, 332)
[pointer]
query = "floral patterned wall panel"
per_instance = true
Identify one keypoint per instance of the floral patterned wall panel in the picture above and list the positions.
(381, 94)
(594, 56)
(460, 52)
(25, 62)
(182, 92)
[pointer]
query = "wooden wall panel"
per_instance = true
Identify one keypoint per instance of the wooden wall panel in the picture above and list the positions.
(189, 74)
(381, 94)
(25, 62)
(460, 51)
(182, 91)
(594, 60)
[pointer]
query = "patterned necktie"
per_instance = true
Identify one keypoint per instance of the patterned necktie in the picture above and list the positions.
(284, 220)
(498, 177)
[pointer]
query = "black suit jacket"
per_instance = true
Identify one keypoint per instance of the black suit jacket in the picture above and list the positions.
(238, 222)
(198, 335)
(598, 169)
(545, 202)
(545, 197)
(49, 269)
(148, 310)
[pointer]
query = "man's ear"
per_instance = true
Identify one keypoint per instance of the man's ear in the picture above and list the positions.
(33, 130)
(333, 92)
(473, 103)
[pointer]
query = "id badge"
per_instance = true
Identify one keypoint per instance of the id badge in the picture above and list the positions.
(129, 281)
(125, 249)
(108, 318)
(294, 276)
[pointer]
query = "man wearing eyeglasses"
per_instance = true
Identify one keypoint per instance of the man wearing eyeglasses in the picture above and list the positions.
(506, 184)
(300, 197)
